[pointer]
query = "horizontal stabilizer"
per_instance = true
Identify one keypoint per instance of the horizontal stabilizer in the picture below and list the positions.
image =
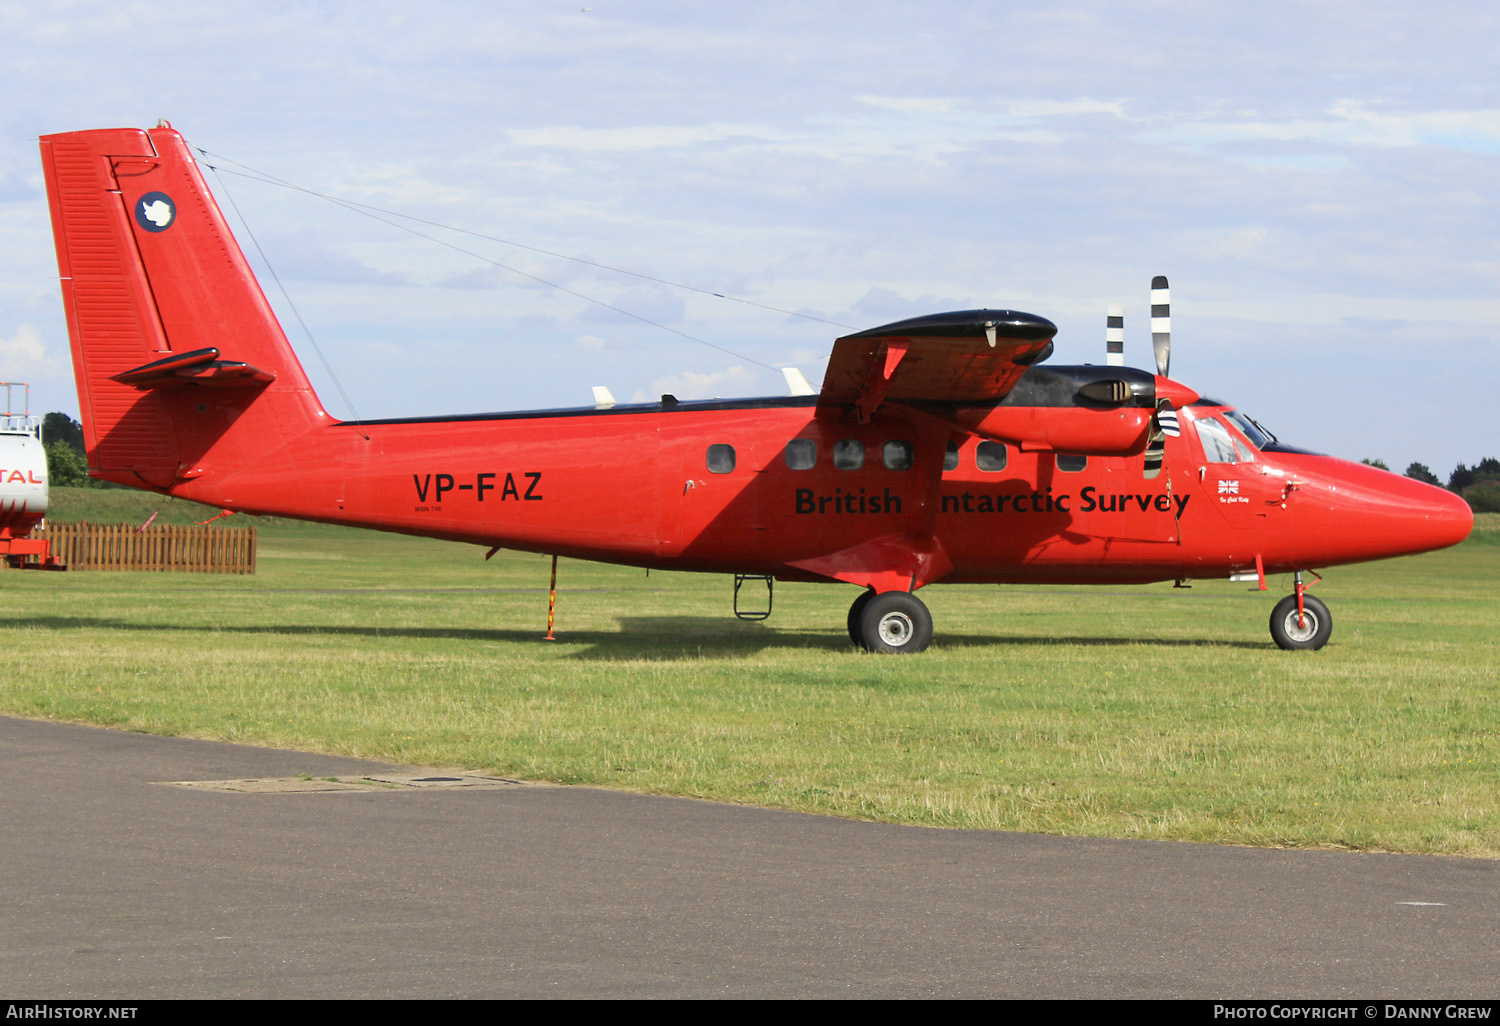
(199, 367)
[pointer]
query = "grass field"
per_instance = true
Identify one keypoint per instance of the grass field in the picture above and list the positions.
(1125, 712)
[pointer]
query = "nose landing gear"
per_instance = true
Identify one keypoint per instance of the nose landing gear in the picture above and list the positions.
(1300, 621)
(895, 622)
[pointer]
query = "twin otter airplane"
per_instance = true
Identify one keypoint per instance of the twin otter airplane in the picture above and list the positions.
(939, 448)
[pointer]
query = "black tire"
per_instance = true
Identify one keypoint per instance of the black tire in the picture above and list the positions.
(1313, 633)
(896, 623)
(856, 614)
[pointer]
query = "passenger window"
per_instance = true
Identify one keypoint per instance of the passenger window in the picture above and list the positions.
(720, 458)
(991, 456)
(801, 454)
(1070, 464)
(950, 458)
(897, 455)
(1218, 446)
(848, 454)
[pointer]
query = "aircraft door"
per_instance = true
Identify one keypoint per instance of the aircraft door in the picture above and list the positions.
(1231, 478)
(709, 505)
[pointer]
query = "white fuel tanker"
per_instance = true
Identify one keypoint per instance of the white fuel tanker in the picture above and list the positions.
(23, 475)
(23, 485)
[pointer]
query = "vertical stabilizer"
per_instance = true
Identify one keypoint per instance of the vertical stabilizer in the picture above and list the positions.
(183, 372)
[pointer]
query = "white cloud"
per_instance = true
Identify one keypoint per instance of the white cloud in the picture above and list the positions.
(635, 138)
(301, 256)
(908, 104)
(652, 303)
(1344, 123)
(695, 385)
(25, 353)
(1476, 130)
(1060, 108)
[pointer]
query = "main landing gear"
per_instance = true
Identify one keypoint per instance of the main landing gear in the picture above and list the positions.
(1300, 621)
(895, 622)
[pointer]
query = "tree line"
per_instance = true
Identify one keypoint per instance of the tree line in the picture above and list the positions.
(67, 467)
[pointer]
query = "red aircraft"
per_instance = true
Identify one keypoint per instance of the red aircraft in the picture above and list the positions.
(939, 448)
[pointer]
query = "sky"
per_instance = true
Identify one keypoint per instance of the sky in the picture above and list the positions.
(1319, 180)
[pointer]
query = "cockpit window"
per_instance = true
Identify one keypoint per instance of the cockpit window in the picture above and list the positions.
(1218, 444)
(1259, 436)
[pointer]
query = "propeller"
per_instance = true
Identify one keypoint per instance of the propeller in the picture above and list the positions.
(1164, 422)
(1161, 323)
(1161, 328)
(1114, 337)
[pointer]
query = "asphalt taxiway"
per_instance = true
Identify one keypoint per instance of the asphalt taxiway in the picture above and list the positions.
(266, 879)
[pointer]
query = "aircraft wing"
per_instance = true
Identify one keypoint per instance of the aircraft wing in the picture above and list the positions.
(966, 355)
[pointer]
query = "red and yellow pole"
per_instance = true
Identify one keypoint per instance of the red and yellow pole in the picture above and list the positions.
(551, 601)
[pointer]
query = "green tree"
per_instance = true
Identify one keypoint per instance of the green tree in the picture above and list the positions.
(67, 468)
(1484, 498)
(1419, 472)
(59, 427)
(1377, 464)
(1479, 484)
(1460, 479)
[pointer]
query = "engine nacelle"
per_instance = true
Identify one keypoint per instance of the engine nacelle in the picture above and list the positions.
(1085, 410)
(1122, 431)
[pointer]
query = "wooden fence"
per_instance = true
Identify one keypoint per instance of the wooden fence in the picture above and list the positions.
(200, 549)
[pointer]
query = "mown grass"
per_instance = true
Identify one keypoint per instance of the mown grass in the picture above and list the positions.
(1128, 712)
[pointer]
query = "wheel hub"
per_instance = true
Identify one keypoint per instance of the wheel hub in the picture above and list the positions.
(1305, 631)
(895, 629)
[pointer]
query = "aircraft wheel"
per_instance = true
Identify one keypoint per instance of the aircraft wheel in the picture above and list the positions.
(856, 616)
(896, 623)
(1316, 625)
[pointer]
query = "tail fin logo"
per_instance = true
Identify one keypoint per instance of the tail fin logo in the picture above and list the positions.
(155, 212)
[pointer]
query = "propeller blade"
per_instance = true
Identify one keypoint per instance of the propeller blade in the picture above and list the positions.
(1155, 450)
(1163, 426)
(1166, 420)
(1114, 337)
(1161, 323)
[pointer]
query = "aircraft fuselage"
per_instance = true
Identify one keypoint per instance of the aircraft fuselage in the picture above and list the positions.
(797, 495)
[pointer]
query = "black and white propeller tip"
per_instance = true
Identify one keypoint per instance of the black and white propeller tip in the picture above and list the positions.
(1114, 337)
(1161, 328)
(1161, 323)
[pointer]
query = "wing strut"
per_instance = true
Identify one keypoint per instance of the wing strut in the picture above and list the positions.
(878, 382)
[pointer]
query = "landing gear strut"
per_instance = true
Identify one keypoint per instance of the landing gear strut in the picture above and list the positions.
(1300, 621)
(895, 622)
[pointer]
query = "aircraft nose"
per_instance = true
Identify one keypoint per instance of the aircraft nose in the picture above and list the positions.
(1446, 517)
(1376, 515)
(1426, 517)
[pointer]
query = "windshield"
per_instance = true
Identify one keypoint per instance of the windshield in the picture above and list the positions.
(1259, 436)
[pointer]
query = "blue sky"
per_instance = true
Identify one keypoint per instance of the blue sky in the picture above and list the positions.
(1318, 180)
